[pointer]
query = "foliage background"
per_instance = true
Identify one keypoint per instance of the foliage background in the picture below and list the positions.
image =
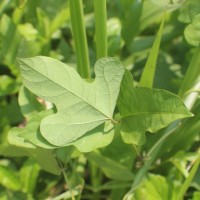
(30, 28)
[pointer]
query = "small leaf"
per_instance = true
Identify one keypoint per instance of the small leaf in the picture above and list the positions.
(81, 106)
(156, 187)
(192, 31)
(145, 109)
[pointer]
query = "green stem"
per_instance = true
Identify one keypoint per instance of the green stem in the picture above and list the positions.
(66, 178)
(96, 178)
(187, 182)
(100, 14)
(79, 35)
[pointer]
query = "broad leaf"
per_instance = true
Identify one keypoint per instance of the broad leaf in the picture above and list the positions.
(192, 31)
(156, 187)
(99, 137)
(32, 132)
(81, 106)
(188, 10)
(28, 103)
(45, 158)
(145, 109)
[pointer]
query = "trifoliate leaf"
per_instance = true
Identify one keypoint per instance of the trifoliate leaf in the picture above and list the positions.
(81, 106)
(145, 109)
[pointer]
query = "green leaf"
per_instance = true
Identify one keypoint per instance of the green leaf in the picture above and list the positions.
(45, 157)
(10, 42)
(8, 85)
(192, 32)
(11, 112)
(14, 139)
(8, 179)
(81, 106)
(10, 150)
(28, 175)
(131, 21)
(99, 137)
(186, 184)
(114, 151)
(115, 42)
(28, 103)
(150, 67)
(32, 133)
(111, 168)
(15, 196)
(145, 109)
(156, 187)
(196, 196)
(188, 10)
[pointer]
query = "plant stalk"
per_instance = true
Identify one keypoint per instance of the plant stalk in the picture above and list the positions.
(80, 40)
(100, 14)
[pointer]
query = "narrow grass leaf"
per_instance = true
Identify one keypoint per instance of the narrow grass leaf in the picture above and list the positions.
(188, 180)
(150, 67)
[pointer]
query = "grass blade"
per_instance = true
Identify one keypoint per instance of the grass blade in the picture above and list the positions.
(191, 80)
(187, 182)
(150, 67)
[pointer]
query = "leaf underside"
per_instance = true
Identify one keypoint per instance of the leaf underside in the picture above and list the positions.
(81, 106)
